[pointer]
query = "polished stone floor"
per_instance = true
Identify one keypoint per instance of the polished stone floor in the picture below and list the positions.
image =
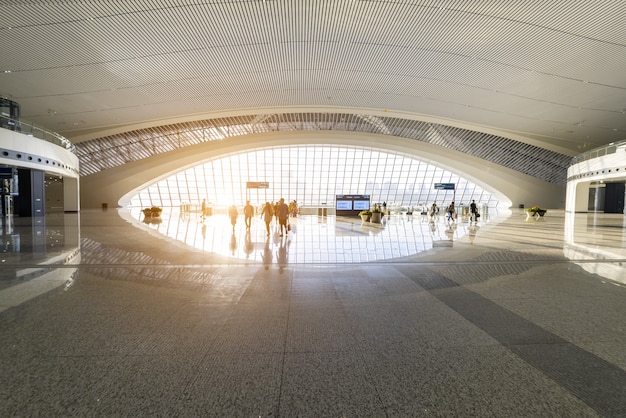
(104, 313)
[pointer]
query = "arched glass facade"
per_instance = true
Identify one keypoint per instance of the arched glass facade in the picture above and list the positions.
(313, 175)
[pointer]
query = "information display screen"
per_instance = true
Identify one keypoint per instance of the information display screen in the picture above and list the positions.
(351, 204)
(344, 205)
(361, 205)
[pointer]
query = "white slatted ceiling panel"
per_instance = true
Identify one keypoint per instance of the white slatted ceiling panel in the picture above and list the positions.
(108, 63)
(527, 159)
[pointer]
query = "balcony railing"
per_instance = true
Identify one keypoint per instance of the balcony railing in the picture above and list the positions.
(611, 148)
(29, 129)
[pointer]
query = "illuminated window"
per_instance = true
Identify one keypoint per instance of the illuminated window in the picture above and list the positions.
(312, 175)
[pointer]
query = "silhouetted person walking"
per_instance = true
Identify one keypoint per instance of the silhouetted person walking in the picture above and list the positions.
(248, 212)
(267, 213)
(282, 212)
(233, 214)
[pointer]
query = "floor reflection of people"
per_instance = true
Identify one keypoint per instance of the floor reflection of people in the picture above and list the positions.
(472, 232)
(233, 243)
(248, 246)
(450, 231)
(282, 254)
(433, 227)
(267, 254)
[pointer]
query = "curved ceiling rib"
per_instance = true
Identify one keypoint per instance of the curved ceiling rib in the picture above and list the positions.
(115, 150)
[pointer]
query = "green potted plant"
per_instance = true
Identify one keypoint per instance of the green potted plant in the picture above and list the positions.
(152, 212)
(365, 215)
(377, 215)
(535, 212)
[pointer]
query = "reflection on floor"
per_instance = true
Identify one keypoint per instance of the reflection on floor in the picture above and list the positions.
(313, 239)
(102, 314)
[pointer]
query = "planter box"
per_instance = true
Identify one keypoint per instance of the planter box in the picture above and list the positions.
(536, 214)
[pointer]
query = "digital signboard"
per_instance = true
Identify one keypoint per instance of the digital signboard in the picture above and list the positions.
(351, 204)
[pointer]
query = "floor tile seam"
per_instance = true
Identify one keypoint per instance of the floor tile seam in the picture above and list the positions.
(390, 262)
(211, 349)
(522, 350)
(368, 372)
(500, 243)
(578, 341)
(119, 359)
(538, 262)
(156, 327)
(356, 348)
(451, 284)
(284, 345)
(598, 326)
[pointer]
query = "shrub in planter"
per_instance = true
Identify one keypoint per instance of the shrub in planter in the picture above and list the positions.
(365, 215)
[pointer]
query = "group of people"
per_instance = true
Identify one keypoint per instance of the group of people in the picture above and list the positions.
(451, 214)
(248, 213)
(280, 210)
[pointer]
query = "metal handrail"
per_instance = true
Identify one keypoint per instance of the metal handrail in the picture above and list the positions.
(29, 129)
(611, 148)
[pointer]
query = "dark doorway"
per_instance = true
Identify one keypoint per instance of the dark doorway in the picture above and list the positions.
(614, 198)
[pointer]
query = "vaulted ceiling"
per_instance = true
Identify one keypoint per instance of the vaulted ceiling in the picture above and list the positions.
(550, 74)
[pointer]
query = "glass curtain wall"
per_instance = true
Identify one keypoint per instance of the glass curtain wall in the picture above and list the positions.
(312, 175)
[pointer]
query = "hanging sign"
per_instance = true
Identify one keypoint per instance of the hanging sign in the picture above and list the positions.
(444, 186)
(257, 185)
